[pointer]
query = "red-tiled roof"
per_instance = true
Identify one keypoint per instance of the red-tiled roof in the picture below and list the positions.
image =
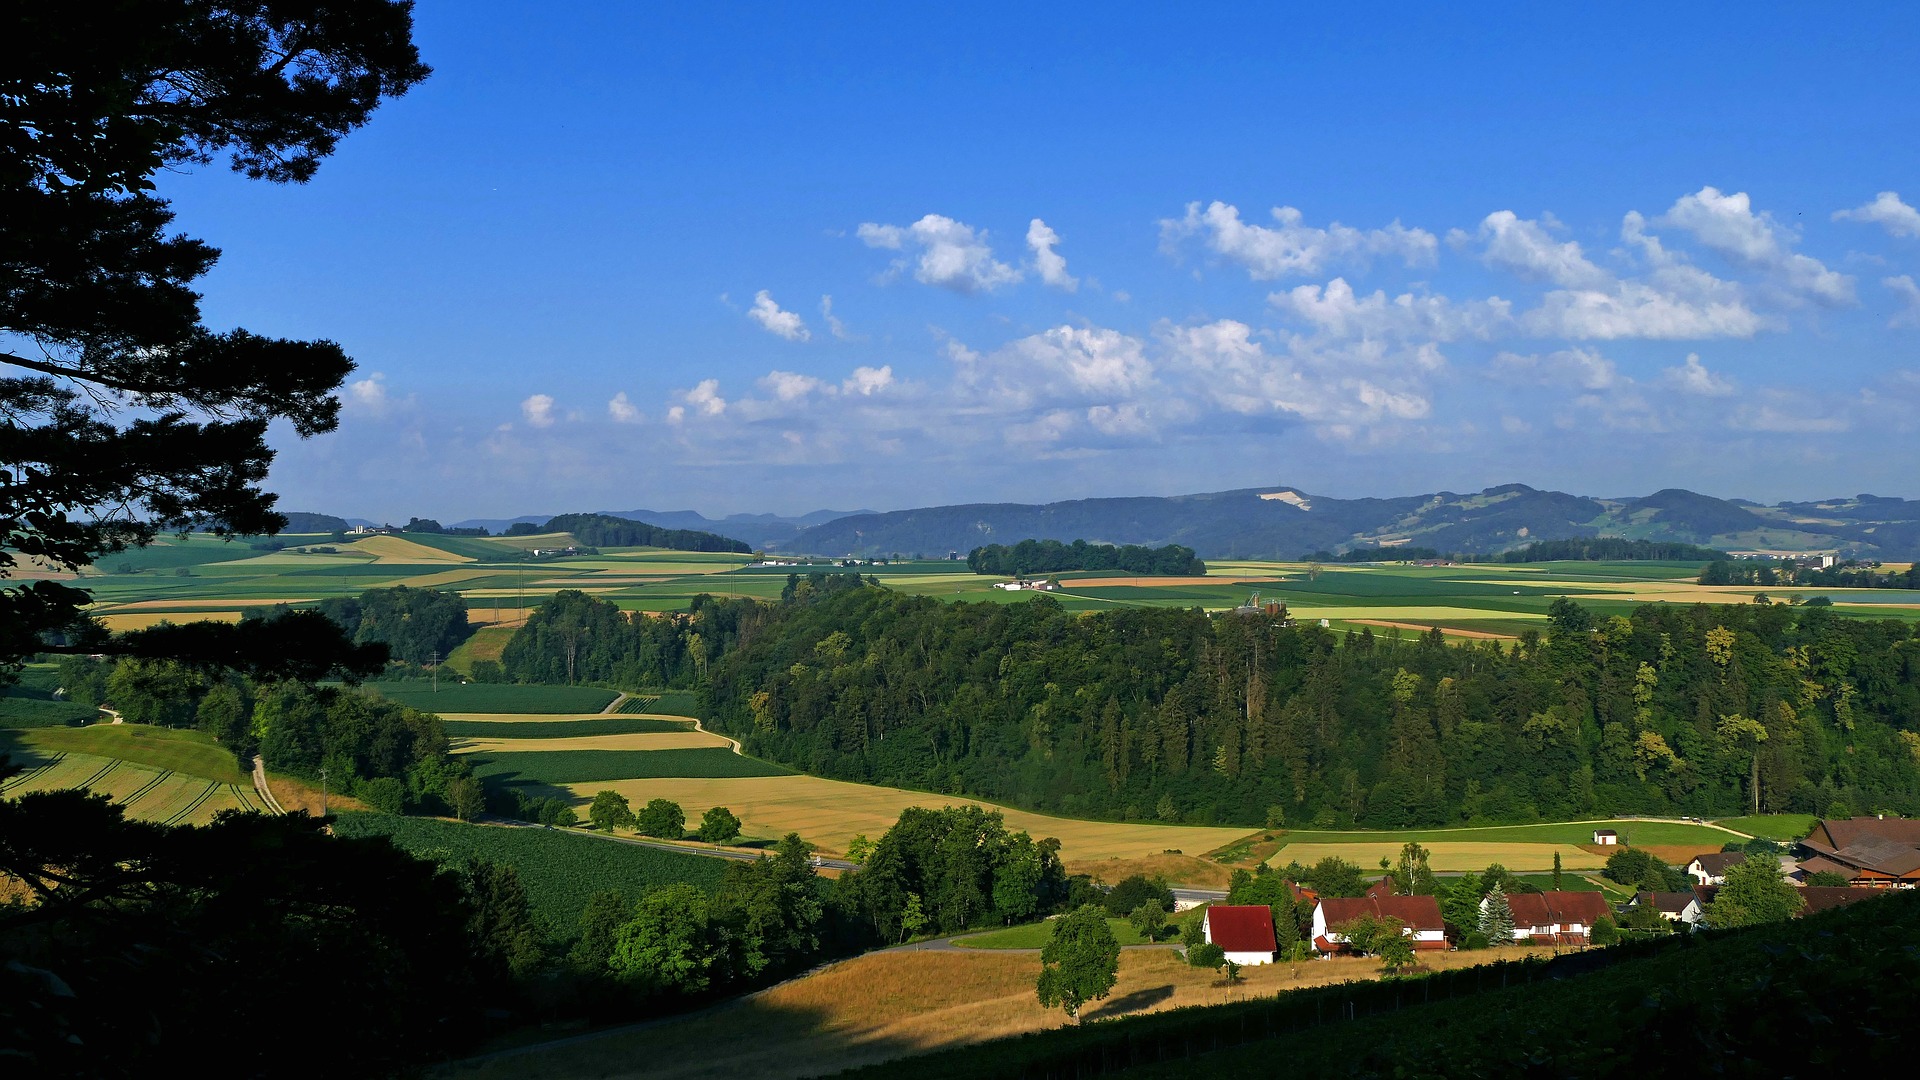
(1383, 887)
(1557, 908)
(1417, 912)
(1672, 903)
(1823, 897)
(1241, 927)
(1840, 832)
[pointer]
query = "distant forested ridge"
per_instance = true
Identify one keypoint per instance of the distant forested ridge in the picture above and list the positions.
(599, 530)
(1172, 715)
(1376, 554)
(1052, 557)
(418, 626)
(298, 522)
(1609, 549)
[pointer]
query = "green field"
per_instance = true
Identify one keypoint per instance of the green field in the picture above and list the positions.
(558, 729)
(1576, 833)
(1035, 936)
(669, 702)
(456, 698)
(558, 767)
(31, 702)
(187, 752)
(1772, 826)
(561, 870)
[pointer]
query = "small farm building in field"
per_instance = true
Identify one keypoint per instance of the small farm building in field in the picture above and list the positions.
(1604, 837)
(1243, 931)
(1555, 918)
(1419, 915)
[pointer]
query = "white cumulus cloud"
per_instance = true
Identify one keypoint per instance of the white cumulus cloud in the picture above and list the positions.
(774, 320)
(1336, 310)
(789, 386)
(1692, 377)
(1525, 247)
(705, 396)
(1909, 294)
(868, 381)
(622, 410)
(369, 396)
(1886, 211)
(942, 252)
(1726, 223)
(538, 410)
(1290, 248)
(1051, 265)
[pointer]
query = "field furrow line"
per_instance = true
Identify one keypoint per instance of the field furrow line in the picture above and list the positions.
(194, 805)
(140, 792)
(29, 776)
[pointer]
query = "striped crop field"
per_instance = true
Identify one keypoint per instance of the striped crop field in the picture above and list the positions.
(562, 727)
(149, 794)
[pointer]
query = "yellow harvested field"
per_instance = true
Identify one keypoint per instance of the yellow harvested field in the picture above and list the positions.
(1477, 635)
(648, 740)
(1445, 855)
(883, 1006)
(829, 813)
(1189, 870)
(444, 577)
(140, 620)
(1424, 615)
(394, 549)
(149, 605)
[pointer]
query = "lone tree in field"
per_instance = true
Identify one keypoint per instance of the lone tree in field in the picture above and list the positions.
(1496, 918)
(718, 825)
(1149, 920)
(125, 414)
(662, 818)
(610, 810)
(1080, 962)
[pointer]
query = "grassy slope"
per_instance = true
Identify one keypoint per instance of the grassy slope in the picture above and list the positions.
(557, 729)
(561, 870)
(494, 697)
(1036, 935)
(188, 752)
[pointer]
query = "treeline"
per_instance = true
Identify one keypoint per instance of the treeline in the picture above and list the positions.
(418, 626)
(1052, 557)
(1778, 573)
(601, 530)
(576, 638)
(1376, 554)
(1609, 549)
(1170, 715)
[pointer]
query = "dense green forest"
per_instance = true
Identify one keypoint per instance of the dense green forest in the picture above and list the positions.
(1052, 557)
(1609, 549)
(1175, 715)
(575, 638)
(601, 530)
(418, 626)
(1774, 573)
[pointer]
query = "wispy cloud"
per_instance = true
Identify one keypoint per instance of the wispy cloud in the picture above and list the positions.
(774, 320)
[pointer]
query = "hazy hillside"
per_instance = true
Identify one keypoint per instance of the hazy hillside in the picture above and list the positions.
(755, 530)
(1286, 523)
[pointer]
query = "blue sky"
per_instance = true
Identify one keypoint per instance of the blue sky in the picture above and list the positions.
(1102, 250)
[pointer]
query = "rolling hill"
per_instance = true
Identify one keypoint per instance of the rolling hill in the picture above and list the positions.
(1285, 523)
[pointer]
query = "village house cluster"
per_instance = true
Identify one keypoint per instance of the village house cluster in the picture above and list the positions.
(1871, 853)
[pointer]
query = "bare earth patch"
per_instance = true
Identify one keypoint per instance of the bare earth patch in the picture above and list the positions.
(1448, 855)
(1185, 870)
(1478, 635)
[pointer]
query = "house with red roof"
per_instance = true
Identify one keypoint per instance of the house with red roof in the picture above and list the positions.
(1243, 931)
(1419, 915)
(1555, 918)
(1881, 852)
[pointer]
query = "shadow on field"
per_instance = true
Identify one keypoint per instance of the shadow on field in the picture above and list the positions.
(20, 755)
(1134, 1002)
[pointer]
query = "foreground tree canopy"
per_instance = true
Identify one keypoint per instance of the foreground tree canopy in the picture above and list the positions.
(124, 414)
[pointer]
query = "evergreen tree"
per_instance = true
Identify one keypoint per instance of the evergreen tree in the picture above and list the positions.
(1496, 918)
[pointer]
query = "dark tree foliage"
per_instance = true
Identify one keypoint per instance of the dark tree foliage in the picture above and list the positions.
(1375, 554)
(601, 530)
(303, 729)
(1135, 890)
(125, 414)
(144, 948)
(1609, 549)
(576, 638)
(1144, 713)
(1052, 556)
(965, 868)
(416, 625)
